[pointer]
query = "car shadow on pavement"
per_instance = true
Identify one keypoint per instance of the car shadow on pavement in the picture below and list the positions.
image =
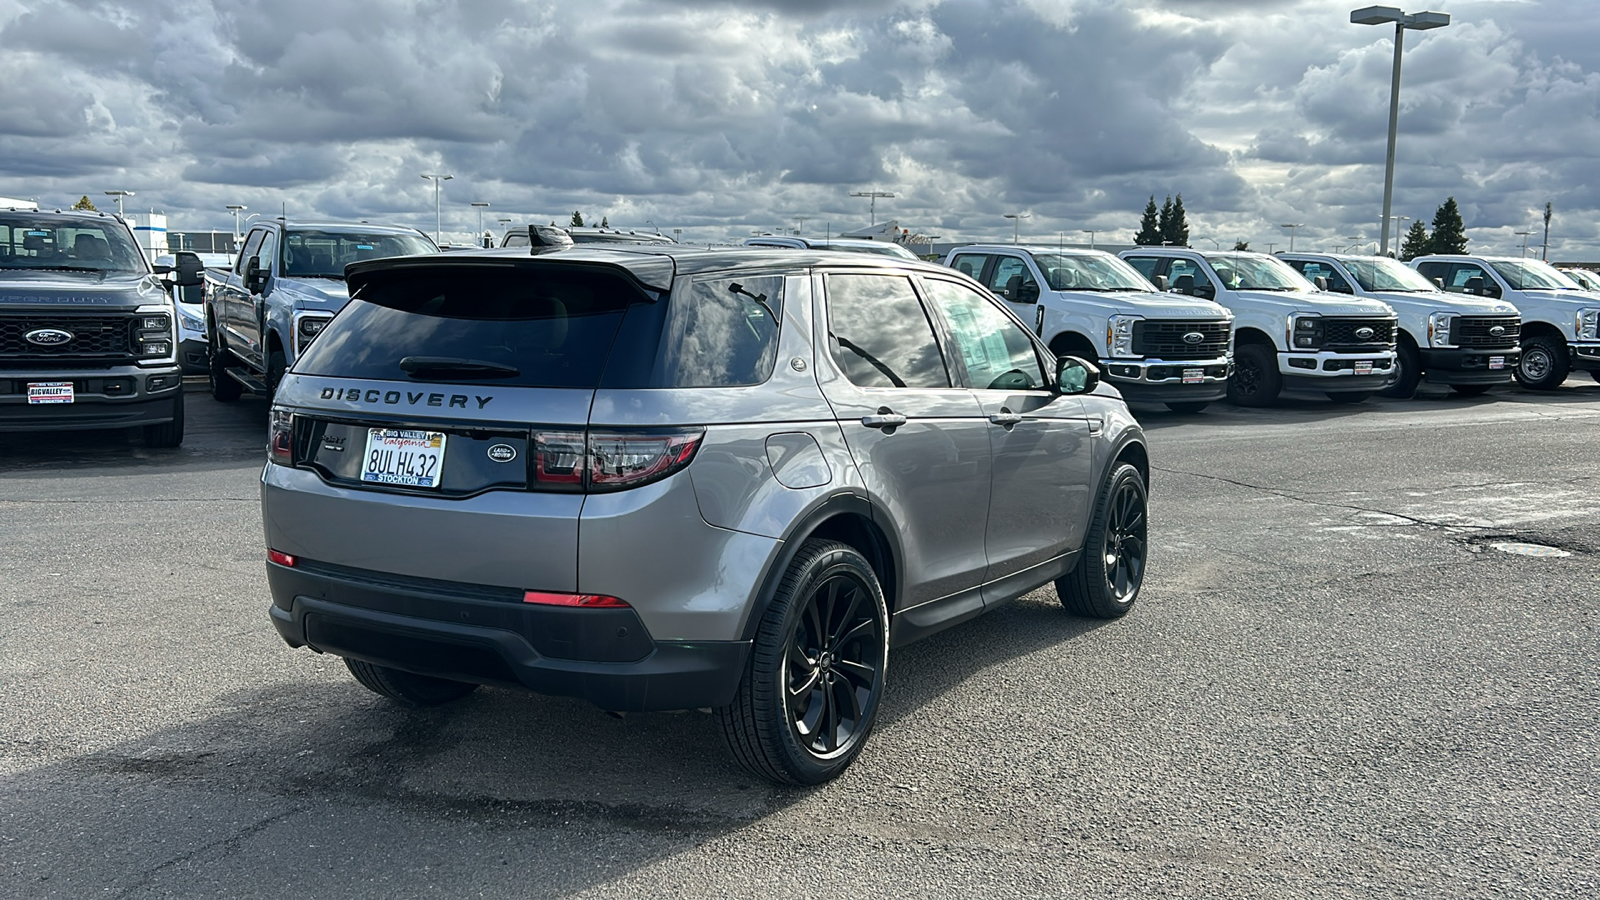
(216, 435)
(311, 785)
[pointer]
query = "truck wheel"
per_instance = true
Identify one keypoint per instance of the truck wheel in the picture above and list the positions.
(1407, 374)
(1348, 396)
(223, 387)
(407, 688)
(810, 693)
(167, 434)
(1470, 390)
(1187, 406)
(275, 369)
(1544, 363)
(1106, 580)
(1255, 380)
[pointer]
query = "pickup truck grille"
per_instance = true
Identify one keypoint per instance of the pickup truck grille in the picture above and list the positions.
(1342, 334)
(1165, 339)
(95, 338)
(1474, 331)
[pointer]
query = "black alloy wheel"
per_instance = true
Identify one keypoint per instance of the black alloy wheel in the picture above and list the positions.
(1255, 380)
(1106, 581)
(816, 674)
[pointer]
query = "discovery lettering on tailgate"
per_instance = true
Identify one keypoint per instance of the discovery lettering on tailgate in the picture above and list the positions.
(392, 398)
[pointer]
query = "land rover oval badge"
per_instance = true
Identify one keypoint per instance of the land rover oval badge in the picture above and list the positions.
(1193, 337)
(49, 337)
(1365, 333)
(502, 453)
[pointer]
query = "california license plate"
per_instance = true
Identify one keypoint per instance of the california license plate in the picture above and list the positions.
(403, 457)
(1194, 376)
(1363, 367)
(1497, 362)
(49, 392)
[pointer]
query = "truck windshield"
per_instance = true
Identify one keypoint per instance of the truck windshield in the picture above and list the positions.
(1533, 275)
(324, 254)
(72, 243)
(1070, 272)
(1375, 273)
(1256, 273)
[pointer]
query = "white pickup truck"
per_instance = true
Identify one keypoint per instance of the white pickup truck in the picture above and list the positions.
(1468, 343)
(1288, 336)
(1560, 321)
(1154, 347)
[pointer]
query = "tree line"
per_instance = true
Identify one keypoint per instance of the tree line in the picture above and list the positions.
(1168, 225)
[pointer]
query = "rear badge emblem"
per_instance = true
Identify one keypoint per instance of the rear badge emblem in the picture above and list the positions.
(1497, 330)
(1193, 337)
(49, 337)
(502, 453)
(1365, 334)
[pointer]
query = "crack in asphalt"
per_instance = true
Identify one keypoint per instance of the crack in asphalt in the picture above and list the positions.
(1413, 520)
(230, 845)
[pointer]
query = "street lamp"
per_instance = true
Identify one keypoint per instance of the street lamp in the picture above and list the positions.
(119, 195)
(677, 235)
(1292, 226)
(874, 195)
(1214, 242)
(480, 206)
(236, 208)
(1422, 21)
(1524, 242)
(1090, 233)
(436, 180)
(1016, 223)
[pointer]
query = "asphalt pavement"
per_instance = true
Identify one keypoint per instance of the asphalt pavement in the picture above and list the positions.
(1334, 685)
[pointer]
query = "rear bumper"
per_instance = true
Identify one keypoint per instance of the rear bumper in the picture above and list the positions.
(1469, 366)
(119, 397)
(487, 635)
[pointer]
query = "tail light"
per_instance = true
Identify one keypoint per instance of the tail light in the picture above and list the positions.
(280, 438)
(280, 557)
(611, 460)
(585, 601)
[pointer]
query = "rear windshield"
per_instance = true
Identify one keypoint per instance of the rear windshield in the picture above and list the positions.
(552, 327)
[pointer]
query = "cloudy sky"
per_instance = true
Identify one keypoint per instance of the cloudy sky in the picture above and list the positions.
(721, 117)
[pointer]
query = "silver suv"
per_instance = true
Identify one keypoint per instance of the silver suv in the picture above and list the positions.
(677, 479)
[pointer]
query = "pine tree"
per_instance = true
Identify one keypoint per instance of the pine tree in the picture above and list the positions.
(85, 203)
(1241, 246)
(577, 219)
(1416, 243)
(1149, 229)
(1164, 220)
(605, 222)
(1175, 230)
(1449, 232)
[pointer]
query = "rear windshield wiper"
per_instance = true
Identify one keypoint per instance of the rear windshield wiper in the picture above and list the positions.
(455, 367)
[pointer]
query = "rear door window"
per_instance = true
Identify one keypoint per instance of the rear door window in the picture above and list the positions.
(880, 335)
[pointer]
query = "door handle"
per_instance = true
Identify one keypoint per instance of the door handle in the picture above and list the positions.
(1005, 418)
(885, 418)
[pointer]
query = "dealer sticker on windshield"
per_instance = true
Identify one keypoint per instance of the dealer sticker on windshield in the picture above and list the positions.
(403, 457)
(49, 392)
(1497, 362)
(1194, 376)
(1363, 367)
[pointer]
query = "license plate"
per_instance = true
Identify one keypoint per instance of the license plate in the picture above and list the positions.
(403, 457)
(1363, 367)
(1194, 376)
(1497, 362)
(49, 392)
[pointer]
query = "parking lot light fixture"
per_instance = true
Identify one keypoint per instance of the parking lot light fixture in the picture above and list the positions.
(1016, 223)
(1090, 233)
(1422, 21)
(436, 180)
(1524, 235)
(1292, 226)
(119, 195)
(480, 206)
(236, 208)
(873, 201)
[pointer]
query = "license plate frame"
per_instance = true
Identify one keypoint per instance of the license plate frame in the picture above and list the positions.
(1362, 367)
(404, 457)
(47, 393)
(1497, 362)
(1194, 376)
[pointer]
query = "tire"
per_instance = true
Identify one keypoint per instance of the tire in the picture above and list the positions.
(1470, 390)
(1544, 364)
(1106, 581)
(1189, 407)
(276, 365)
(1595, 374)
(1408, 373)
(1255, 380)
(1349, 396)
(167, 434)
(223, 388)
(408, 688)
(833, 661)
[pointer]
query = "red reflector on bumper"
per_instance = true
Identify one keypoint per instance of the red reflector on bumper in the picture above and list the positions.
(593, 601)
(281, 558)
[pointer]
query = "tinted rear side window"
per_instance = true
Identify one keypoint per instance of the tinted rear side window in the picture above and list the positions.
(554, 327)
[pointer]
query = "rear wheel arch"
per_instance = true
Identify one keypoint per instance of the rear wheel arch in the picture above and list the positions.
(1136, 454)
(849, 520)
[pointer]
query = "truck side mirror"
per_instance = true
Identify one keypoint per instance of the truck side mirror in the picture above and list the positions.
(255, 280)
(1490, 288)
(1321, 282)
(1076, 376)
(1028, 292)
(1161, 284)
(190, 270)
(1204, 291)
(1473, 285)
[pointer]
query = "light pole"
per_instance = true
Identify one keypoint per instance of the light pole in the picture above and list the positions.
(1216, 244)
(1016, 223)
(480, 206)
(1292, 226)
(1090, 233)
(1422, 21)
(236, 208)
(873, 206)
(799, 225)
(677, 235)
(1524, 235)
(119, 195)
(436, 180)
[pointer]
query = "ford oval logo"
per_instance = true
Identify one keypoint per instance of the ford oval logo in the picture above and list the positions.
(1364, 333)
(502, 453)
(1193, 337)
(1497, 330)
(49, 337)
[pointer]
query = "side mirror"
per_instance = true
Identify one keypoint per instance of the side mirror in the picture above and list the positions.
(190, 270)
(1439, 281)
(1473, 285)
(1491, 289)
(1076, 376)
(1161, 283)
(1205, 291)
(255, 280)
(1321, 282)
(161, 269)
(1027, 293)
